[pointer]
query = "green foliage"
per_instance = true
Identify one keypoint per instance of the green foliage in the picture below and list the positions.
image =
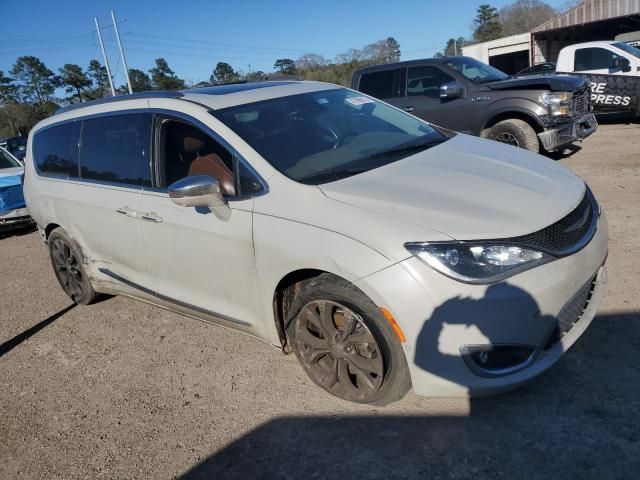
(454, 46)
(36, 82)
(74, 79)
(163, 78)
(140, 81)
(285, 66)
(487, 23)
(223, 73)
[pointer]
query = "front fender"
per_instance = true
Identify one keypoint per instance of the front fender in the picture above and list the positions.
(521, 107)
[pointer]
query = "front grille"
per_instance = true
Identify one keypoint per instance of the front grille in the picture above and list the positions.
(572, 312)
(567, 233)
(580, 101)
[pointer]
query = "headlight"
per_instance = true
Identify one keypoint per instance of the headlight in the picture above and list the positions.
(480, 263)
(558, 102)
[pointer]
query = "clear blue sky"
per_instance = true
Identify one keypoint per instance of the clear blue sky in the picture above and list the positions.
(194, 35)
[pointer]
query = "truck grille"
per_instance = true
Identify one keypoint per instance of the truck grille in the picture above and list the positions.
(580, 102)
(572, 312)
(568, 233)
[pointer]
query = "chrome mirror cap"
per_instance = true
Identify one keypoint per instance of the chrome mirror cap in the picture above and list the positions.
(197, 191)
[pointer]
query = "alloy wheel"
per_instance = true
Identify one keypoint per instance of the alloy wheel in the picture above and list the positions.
(508, 138)
(339, 351)
(67, 269)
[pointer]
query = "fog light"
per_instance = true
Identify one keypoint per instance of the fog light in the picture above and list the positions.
(497, 360)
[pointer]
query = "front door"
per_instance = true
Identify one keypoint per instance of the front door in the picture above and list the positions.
(423, 99)
(204, 262)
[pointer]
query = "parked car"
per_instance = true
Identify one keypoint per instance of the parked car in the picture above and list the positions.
(13, 212)
(466, 95)
(382, 251)
(15, 145)
(612, 68)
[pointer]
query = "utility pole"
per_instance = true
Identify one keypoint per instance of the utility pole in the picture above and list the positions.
(124, 62)
(455, 47)
(104, 55)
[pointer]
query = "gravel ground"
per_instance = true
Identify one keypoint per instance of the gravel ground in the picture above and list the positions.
(122, 389)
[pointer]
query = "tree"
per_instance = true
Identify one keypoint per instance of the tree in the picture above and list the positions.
(163, 78)
(524, 15)
(99, 79)
(255, 76)
(140, 81)
(487, 24)
(7, 97)
(454, 46)
(74, 79)
(311, 61)
(285, 66)
(37, 82)
(223, 73)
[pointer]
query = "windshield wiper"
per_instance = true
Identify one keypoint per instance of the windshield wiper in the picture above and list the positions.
(406, 148)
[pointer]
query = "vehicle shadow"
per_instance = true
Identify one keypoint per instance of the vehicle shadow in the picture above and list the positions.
(566, 152)
(579, 420)
(17, 231)
(12, 343)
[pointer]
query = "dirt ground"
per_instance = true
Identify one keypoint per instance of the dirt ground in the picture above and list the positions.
(122, 389)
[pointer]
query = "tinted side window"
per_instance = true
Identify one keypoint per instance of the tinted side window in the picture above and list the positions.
(378, 84)
(593, 59)
(116, 149)
(426, 81)
(185, 150)
(55, 150)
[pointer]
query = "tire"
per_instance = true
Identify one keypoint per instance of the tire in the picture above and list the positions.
(366, 365)
(66, 260)
(514, 132)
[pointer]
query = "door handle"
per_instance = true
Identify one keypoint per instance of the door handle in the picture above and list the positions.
(151, 217)
(127, 211)
(409, 108)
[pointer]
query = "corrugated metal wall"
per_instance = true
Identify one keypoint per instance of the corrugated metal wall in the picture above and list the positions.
(592, 11)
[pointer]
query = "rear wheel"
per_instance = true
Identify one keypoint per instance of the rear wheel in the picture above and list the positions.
(514, 132)
(67, 265)
(345, 345)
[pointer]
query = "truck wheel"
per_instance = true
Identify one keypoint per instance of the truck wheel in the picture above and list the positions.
(345, 344)
(67, 265)
(514, 132)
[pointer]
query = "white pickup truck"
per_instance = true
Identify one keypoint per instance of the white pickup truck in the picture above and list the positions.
(612, 68)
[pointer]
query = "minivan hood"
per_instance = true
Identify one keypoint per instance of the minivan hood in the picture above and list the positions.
(556, 83)
(467, 188)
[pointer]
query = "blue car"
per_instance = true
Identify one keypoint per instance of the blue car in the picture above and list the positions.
(13, 211)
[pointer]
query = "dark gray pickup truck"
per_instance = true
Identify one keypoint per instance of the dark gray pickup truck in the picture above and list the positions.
(545, 112)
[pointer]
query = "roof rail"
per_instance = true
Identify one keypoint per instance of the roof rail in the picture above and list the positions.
(120, 98)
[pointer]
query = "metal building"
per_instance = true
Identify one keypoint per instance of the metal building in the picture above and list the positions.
(591, 20)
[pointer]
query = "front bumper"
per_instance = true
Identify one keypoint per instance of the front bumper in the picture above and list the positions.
(567, 133)
(14, 218)
(440, 316)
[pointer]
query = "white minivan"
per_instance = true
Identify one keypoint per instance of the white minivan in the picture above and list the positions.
(385, 252)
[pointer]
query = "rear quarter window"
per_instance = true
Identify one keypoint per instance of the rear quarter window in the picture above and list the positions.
(116, 149)
(55, 150)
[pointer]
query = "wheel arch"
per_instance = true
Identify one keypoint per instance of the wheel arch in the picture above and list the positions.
(284, 295)
(523, 115)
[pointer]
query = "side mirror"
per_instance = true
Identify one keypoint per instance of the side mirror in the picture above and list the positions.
(451, 90)
(622, 63)
(197, 191)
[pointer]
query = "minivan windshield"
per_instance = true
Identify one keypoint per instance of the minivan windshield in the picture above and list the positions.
(474, 70)
(7, 160)
(323, 136)
(628, 48)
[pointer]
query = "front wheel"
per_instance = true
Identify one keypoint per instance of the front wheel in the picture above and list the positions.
(67, 265)
(514, 132)
(345, 345)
